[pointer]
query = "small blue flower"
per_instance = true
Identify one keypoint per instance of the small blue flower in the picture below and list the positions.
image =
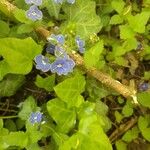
(35, 117)
(80, 44)
(35, 2)
(71, 1)
(56, 39)
(144, 86)
(34, 13)
(42, 63)
(50, 48)
(62, 66)
(58, 1)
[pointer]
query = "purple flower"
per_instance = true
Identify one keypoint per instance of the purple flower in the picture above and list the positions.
(60, 39)
(80, 44)
(58, 1)
(62, 66)
(144, 86)
(35, 117)
(42, 63)
(35, 2)
(34, 13)
(50, 48)
(71, 1)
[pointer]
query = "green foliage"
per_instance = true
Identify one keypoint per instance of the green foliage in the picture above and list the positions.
(47, 83)
(4, 29)
(138, 22)
(65, 118)
(92, 56)
(120, 145)
(11, 84)
(16, 139)
(70, 89)
(78, 112)
(116, 19)
(27, 107)
(53, 8)
(18, 58)
(118, 5)
(131, 135)
(82, 15)
(143, 124)
(143, 99)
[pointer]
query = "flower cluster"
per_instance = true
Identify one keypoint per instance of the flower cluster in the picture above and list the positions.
(34, 13)
(61, 1)
(63, 64)
(35, 117)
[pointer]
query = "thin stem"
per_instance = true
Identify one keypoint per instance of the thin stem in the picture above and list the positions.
(8, 117)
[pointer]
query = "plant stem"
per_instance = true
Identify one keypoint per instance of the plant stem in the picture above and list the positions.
(8, 117)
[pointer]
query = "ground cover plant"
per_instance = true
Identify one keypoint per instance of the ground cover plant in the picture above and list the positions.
(74, 74)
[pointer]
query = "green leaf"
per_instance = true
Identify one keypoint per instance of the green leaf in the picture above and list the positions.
(87, 137)
(143, 99)
(16, 139)
(143, 124)
(126, 32)
(10, 125)
(127, 110)
(18, 55)
(120, 145)
(46, 83)
(118, 5)
(82, 14)
(4, 29)
(20, 15)
(10, 84)
(131, 135)
(146, 75)
(70, 89)
(92, 56)
(28, 106)
(24, 28)
(118, 116)
(139, 21)
(53, 8)
(1, 124)
(64, 117)
(116, 19)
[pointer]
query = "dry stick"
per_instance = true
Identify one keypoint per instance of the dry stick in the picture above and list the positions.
(122, 129)
(100, 76)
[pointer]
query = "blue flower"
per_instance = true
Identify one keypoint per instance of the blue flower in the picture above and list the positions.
(71, 1)
(34, 13)
(61, 1)
(50, 48)
(58, 1)
(80, 44)
(35, 117)
(144, 86)
(35, 2)
(56, 39)
(62, 66)
(42, 63)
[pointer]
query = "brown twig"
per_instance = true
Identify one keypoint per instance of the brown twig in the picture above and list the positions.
(122, 129)
(100, 76)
